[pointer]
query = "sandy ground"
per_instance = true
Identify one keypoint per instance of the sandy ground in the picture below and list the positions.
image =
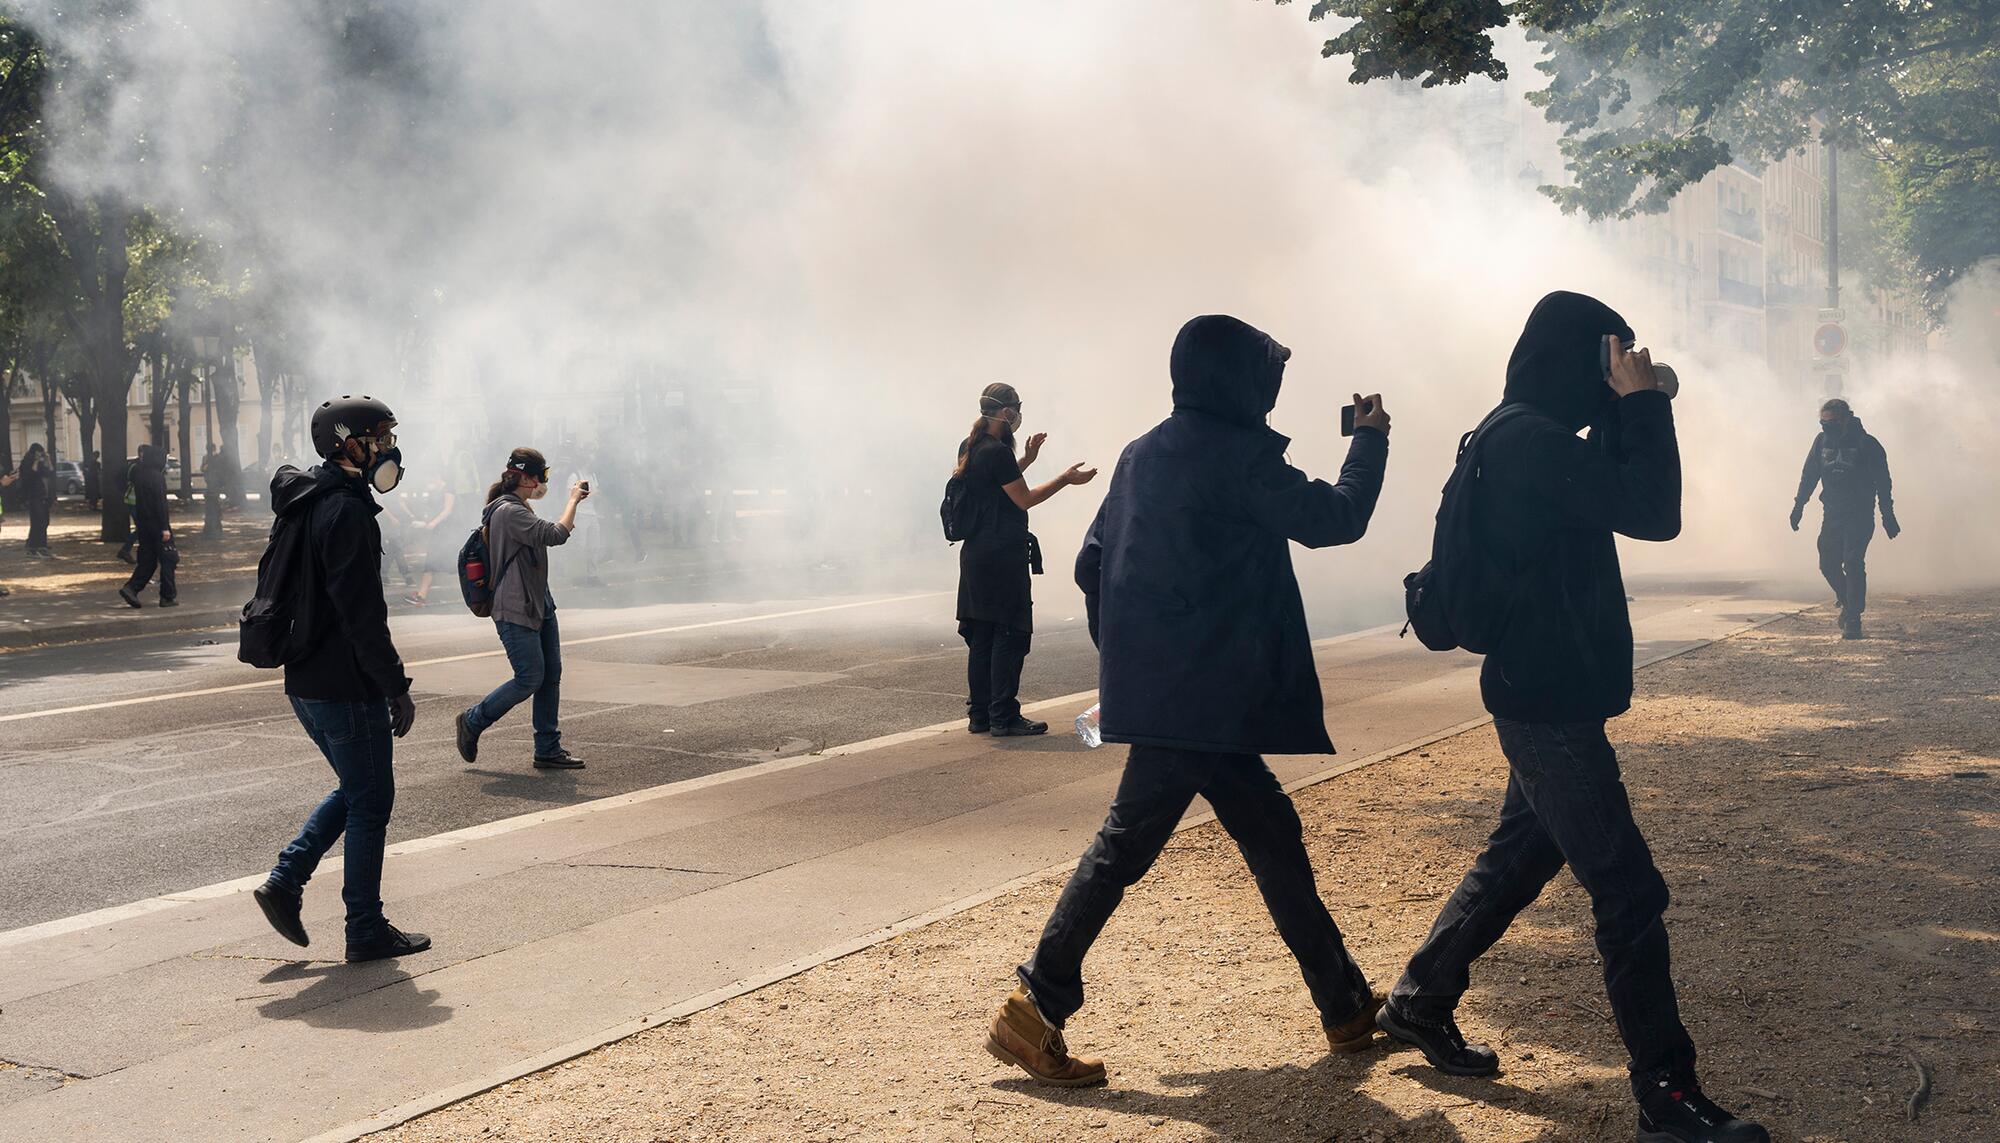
(83, 564)
(1824, 811)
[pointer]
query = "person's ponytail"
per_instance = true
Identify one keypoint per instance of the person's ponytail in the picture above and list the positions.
(508, 482)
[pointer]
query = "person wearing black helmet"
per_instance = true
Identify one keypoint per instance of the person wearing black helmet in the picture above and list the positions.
(349, 691)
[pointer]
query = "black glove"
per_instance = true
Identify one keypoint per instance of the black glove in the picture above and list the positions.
(1798, 513)
(1889, 526)
(402, 714)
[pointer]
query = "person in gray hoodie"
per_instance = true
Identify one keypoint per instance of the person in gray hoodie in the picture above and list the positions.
(524, 611)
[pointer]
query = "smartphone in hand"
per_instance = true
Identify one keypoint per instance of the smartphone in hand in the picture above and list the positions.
(1347, 420)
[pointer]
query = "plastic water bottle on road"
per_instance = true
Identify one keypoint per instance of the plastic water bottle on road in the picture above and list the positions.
(1086, 727)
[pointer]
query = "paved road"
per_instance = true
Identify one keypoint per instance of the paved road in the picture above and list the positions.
(562, 928)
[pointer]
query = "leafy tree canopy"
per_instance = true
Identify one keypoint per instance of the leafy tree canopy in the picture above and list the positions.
(1652, 95)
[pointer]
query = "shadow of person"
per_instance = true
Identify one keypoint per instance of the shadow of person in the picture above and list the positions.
(557, 787)
(376, 997)
(1317, 1102)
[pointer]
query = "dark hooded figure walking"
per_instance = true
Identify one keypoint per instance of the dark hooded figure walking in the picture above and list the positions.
(1547, 505)
(1205, 664)
(1852, 471)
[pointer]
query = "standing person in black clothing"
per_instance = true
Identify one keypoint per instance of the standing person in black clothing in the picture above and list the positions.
(152, 529)
(349, 692)
(93, 482)
(995, 604)
(38, 490)
(1206, 665)
(1852, 470)
(1547, 505)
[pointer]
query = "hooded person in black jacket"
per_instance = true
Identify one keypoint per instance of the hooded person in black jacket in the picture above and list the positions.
(1205, 665)
(1851, 469)
(152, 529)
(349, 692)
(1548, 504)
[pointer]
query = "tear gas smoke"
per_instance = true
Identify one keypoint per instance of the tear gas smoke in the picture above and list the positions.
(864, 212)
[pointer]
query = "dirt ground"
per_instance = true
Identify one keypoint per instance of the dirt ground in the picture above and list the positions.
(1825, 812)
(83, 564)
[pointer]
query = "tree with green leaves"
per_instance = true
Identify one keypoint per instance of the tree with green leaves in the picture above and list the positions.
(1651, 97)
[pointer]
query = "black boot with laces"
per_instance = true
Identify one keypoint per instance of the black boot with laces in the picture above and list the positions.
(1673, 1110)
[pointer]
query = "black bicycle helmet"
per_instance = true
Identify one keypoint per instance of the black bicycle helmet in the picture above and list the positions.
(348, 416)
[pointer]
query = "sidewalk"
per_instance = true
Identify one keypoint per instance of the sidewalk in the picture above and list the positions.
(575, 926)
(1824, 811)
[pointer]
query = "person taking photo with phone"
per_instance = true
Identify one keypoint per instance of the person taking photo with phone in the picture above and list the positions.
(524, 610)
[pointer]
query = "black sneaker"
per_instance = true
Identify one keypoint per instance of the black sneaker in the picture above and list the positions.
(1441, 1043)
(130, 597)
(1851, 628)
(1676, 1111)
(388, 943)
(468, 739)
(281, 907)
(170, 603)
(1018, 727)
(560, 760)
(978, 725)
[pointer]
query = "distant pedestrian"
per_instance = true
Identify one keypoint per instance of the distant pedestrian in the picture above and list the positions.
(349, 692)
(524, 610)
(93, 482)
(1547, 505)
(38, 492)
(1206, 665)
(131, 497)
(152, 529)
(995, 594)
(1851, 469)
(437, 510)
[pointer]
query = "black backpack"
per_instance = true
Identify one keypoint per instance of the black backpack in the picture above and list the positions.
(1465, 596)
(277, 624)
(958, 511)
(474, 582)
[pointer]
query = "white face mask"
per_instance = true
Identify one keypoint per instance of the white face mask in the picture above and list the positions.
(540, 491)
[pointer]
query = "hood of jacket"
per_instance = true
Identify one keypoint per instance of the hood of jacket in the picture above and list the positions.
(292, 489)
(1555, 366)
(1228, 369)
(1844, 431)
(152, 456)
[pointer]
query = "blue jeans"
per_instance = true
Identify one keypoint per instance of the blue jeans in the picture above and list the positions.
(1565, 805)
(536, 657)
(1158, 785)
(354, 736)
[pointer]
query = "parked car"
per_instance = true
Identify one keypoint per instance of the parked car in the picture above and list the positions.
(69, 478)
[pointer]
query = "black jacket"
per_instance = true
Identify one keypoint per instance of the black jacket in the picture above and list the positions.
(149, 493)
(1851, 469)
(352, 658)
(1187, 571)
(1548, 503)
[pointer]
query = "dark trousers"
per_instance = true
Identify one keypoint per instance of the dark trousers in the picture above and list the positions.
(1158, 786)
(155, 555)
(536, 657)
(1565, 805)
(38, 524)
(354, 736)
(995, 654)
(1843, 556)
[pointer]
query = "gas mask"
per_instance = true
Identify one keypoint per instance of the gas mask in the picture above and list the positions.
(383, 461)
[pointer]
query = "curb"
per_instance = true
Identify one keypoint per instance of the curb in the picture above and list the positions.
(445, 1097)
(30, 635)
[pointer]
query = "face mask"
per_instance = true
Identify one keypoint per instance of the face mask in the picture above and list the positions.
(540, 491)
(387, 471)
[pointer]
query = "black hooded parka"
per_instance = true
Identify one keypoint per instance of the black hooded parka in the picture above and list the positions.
(1548, 503)
(1187, 571)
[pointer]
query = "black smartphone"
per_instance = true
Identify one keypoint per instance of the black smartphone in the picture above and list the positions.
(1347, 420)
(1604, 356)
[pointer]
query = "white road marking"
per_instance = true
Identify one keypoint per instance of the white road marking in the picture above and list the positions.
(265, 683)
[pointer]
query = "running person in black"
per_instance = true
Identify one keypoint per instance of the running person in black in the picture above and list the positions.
(995, 604)
(1852, 471)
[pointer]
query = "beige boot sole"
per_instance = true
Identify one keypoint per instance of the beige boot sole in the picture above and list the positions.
(994, 1049)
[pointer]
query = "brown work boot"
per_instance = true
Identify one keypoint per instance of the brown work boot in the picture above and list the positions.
(1021, 1037)
(1357, 1034)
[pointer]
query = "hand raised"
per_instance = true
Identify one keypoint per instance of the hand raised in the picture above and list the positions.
(1078, 474)
(1369, 413)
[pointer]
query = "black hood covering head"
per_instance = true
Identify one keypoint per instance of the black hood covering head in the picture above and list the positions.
(1555, 366)
(1228, 369)
(152, 456)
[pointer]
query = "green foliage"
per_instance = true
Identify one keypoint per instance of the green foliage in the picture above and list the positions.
(1653, 96)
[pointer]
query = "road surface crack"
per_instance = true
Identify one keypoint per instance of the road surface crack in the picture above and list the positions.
(662, 868)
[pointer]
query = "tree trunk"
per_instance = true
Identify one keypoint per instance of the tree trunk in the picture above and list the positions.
(185, 375)
(228, 403)
(265, 383)
(7, 418)
(156, 364)
(86, 421)
(93, 233)
(49, 416)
